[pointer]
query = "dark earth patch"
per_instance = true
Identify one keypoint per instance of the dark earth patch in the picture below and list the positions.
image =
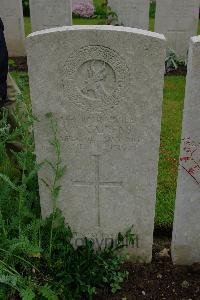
(18, 64)
(180, 71)
(158, 280)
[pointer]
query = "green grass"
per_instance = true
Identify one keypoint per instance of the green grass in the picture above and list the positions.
(82, 21)
(169, 152)
(27, 25)
(23, 83)
(151, 24)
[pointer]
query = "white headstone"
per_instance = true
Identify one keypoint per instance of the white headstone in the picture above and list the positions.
(75, 2)
(131, 13)
(11, 13)
(50, 13)
(178, 21)
(97, 82)
(186, 241)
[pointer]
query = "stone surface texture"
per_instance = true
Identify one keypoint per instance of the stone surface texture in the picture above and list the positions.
(186, 242)
(104, 87)
(50, 13)
(11, 13)
(75, 2)
(178, 21)
(131, 13)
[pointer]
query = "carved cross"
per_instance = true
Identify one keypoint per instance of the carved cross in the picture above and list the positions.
(97, 183)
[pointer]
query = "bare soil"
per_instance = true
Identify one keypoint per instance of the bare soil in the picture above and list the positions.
(19, 65)
(158, 280)
(180, 71)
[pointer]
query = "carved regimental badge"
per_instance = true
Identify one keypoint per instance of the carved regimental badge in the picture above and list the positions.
(95, 78)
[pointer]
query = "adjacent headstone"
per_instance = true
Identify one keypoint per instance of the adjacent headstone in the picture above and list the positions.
(75, 2)
(11, 13)
(186, 241)
(131, 13)
(97, 83)
(178, 21)
(50, 13)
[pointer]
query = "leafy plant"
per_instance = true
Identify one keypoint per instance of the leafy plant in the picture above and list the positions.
(172, 62)
(37, 257)
(111, 17)
(104, 11)
(101, 9)
(11, 62)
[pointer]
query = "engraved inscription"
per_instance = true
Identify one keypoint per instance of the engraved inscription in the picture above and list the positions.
(95, 78)
(112, 132)
(97, 183)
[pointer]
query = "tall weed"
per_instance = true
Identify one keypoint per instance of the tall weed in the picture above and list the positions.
(37, 258)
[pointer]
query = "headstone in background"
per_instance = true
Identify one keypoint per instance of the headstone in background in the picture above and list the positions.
(11, 13)
(97, 82)
(186, 241)
(75, 2)
(50, 13)
(131, 13)
(178, 21)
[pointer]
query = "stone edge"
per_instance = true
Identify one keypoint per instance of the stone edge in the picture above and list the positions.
(99, 28)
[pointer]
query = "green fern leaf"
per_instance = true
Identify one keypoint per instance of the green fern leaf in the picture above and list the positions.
(47, 293)
(27, 294)
(8, 181)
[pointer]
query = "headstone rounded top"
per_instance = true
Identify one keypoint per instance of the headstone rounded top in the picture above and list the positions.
(99, 28)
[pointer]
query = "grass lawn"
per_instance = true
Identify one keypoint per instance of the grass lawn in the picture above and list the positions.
(174, 91)
(151, 24)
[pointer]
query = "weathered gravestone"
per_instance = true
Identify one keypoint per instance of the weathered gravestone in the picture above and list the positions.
(103, 85)
(132, 13)
(11, 13)
(178, 21)
(76, 2)
(186, 232)
(50, 13)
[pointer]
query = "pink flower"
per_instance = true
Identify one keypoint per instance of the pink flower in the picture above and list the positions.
(83, 9)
